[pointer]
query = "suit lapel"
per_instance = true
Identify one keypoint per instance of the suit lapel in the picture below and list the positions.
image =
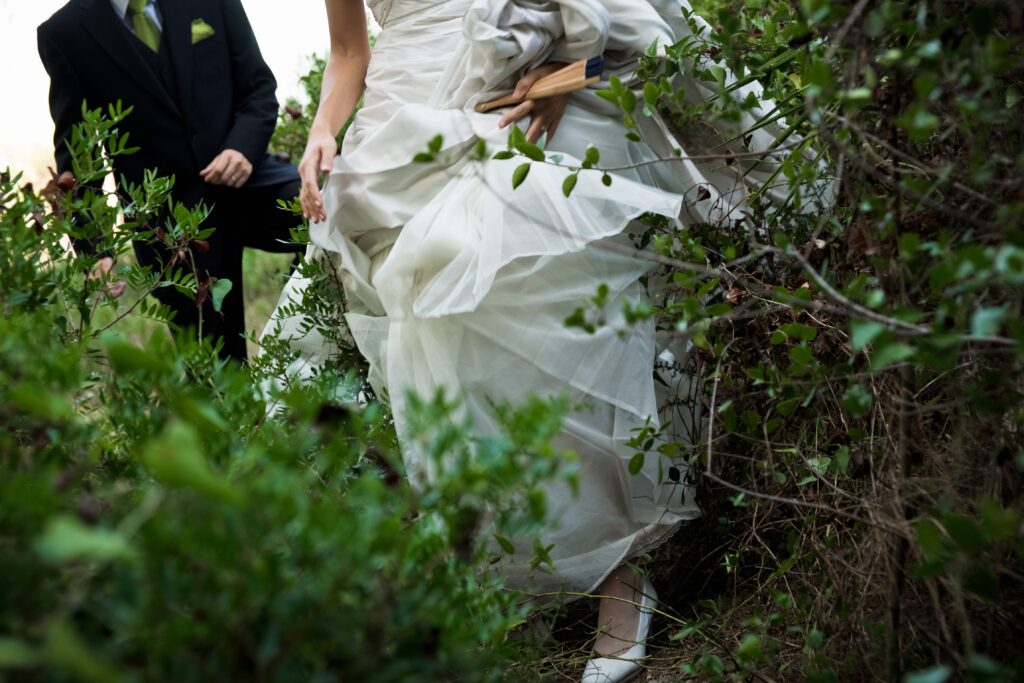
(177, 20)
(103, 24)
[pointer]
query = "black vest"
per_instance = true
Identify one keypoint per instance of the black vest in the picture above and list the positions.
(160, 65)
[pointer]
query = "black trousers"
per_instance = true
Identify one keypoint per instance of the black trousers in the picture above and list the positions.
(246, 217)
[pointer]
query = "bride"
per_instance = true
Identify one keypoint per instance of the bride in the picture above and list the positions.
(455, 281)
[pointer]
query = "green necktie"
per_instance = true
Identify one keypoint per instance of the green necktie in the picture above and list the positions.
(143, 25)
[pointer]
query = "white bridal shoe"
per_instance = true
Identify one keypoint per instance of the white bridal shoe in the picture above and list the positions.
(626, 665)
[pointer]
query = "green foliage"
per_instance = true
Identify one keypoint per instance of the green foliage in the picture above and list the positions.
(157, 526)
(863, 366)
(296, 117)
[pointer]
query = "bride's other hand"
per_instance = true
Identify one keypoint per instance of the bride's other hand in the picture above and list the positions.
(545, 114)
(318, 158)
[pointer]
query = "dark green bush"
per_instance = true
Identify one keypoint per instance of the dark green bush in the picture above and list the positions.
(862, 464)
(864, 460)
(156, 526)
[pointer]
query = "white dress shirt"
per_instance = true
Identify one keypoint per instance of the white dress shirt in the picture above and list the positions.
(121, 7)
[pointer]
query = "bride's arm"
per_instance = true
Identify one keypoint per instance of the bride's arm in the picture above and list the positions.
(342, 87)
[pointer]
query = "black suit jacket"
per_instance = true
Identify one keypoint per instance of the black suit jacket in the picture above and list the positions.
(225, 91)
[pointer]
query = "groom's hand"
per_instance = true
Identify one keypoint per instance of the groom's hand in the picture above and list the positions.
(230, 169)
(102, 272)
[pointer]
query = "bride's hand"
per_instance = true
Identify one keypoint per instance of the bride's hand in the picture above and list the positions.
(545, 113)
(319, 158)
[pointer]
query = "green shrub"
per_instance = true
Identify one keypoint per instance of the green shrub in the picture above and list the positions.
(156, 526)
(861, 469)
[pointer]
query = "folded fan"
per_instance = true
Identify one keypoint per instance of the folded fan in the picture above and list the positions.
(576, 76)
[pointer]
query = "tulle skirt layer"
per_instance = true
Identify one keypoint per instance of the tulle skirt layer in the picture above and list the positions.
(454, 280)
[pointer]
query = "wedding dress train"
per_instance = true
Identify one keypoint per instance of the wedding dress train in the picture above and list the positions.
(455, 280)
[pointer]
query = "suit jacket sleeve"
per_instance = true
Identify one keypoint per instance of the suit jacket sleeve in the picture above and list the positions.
(254, 88)
(66, 98)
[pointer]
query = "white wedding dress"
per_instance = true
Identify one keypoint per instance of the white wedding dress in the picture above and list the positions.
(454, 280)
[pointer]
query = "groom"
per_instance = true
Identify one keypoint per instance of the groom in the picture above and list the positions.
(204, 110)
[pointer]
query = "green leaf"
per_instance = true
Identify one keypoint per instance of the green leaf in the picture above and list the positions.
(930, 569)
(66, 651)
(40, 402)
(616, 85)
(749, 649)
(986, 322)
(964, 532)
(889, 353)
(502, 155)
(983, 582)
(531, 150)
(651, 94)
(519, 175)
(919, 122)
(569, 184)
(17, 654)
(857, 399)
(480, 150)
(818, 74)
(516, 137)
(786, 408)
(435, 143)
(220, 289)
(936, 674)
(863, 332)
(998, 523)
(841, 462)
(800, 331)
(801, 355)
(856, 97)
(66, 539)
(541, 555)
(128, 358)
(175, 458)
(505, 544)
(983, 669)
(636, 463)
(627, 101)
(930, 50)
(1013, 96)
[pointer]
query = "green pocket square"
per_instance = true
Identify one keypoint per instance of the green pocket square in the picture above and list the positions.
(201, 31)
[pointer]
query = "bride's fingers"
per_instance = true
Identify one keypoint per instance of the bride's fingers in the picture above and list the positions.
(307, 200)
(536, 129)
(315, 204)
(527, 81)
(308, 174)
(555, 120)
(518, 112)
(326, 160)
